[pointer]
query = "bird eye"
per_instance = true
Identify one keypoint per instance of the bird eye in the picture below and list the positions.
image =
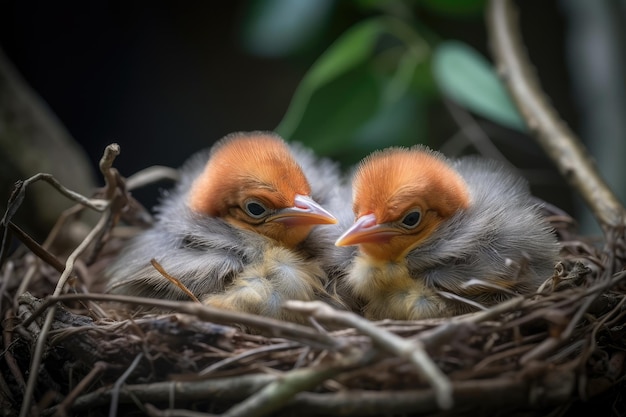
(412, 219)
(255, 209)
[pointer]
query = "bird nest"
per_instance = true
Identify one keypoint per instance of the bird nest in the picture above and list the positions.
(68, 350)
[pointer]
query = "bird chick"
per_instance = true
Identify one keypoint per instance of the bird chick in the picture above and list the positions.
(235, 230)
(438, 238)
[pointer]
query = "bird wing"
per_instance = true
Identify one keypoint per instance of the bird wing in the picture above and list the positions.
(502, 238)
(204, 254)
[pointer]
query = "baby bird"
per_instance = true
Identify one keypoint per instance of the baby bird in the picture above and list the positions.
(437, 237)
(235, 230)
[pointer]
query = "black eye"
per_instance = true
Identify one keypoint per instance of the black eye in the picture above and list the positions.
(255, 209)
(412, 219)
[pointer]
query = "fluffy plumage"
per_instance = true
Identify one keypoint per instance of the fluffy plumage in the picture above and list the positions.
(426, 226)
(235, 231)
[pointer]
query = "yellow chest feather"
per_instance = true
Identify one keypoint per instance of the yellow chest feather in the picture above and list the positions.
(262, 287)
(389, 292)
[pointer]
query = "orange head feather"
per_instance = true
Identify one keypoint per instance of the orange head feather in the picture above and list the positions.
(253, 182)
(400, 197)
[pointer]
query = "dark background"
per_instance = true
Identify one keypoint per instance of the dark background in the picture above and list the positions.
(165, 79)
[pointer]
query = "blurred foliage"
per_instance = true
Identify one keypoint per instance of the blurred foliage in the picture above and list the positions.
(372, 87)
(468, 79)
(280, 27)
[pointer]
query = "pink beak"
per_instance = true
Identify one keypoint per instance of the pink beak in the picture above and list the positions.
(305, 211)
(366, 230)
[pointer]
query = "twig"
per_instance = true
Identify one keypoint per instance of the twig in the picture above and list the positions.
(274, 396)
(173, 280)
(229, 389)
(7, 339)
(98, 368)
(491, 395)
(591, 294)
(273, 327)
(6, 278)
(557, 139)
(98, 205)
(412, 350)
(250, 352)
(448, 329)
(568, 297)
(33, 269)
(60, 223)
(115, 193)
(115, 392)
(501, 355)
(109, 155)
(109, 173)
(36, 248)
(41, 340)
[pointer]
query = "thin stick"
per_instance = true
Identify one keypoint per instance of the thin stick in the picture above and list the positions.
(105, 165)
(109, 173)
(60, 224)
(98, 368)
(250, 352)
(412, 350)
(7, 339)
(276, 394)
(8, 272)
(231, 388)
(33, 268)
(98, 205)
(490, 396)
(273, 327)
(447, 330)
(41, 340)
(173, 280)
(36, 248)
(115, 392)
(551, 343)
(557, 139)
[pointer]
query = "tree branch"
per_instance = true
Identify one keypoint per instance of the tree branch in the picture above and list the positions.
(557, 139)
(412, 350)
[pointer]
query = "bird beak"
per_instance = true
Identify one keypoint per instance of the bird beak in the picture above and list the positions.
(366, 230)
(305, 211)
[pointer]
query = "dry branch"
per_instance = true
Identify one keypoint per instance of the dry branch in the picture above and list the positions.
(559, 142)
(105, 165)
(271, 327)
(411, 350)
(276, 394)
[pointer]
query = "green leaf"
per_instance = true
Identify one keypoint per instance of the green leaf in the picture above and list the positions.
(350, 51)
(467, 78)
(399, 123)
(336, 110)
(361, 94)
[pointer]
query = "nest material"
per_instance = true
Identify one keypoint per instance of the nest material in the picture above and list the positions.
(70, 353)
